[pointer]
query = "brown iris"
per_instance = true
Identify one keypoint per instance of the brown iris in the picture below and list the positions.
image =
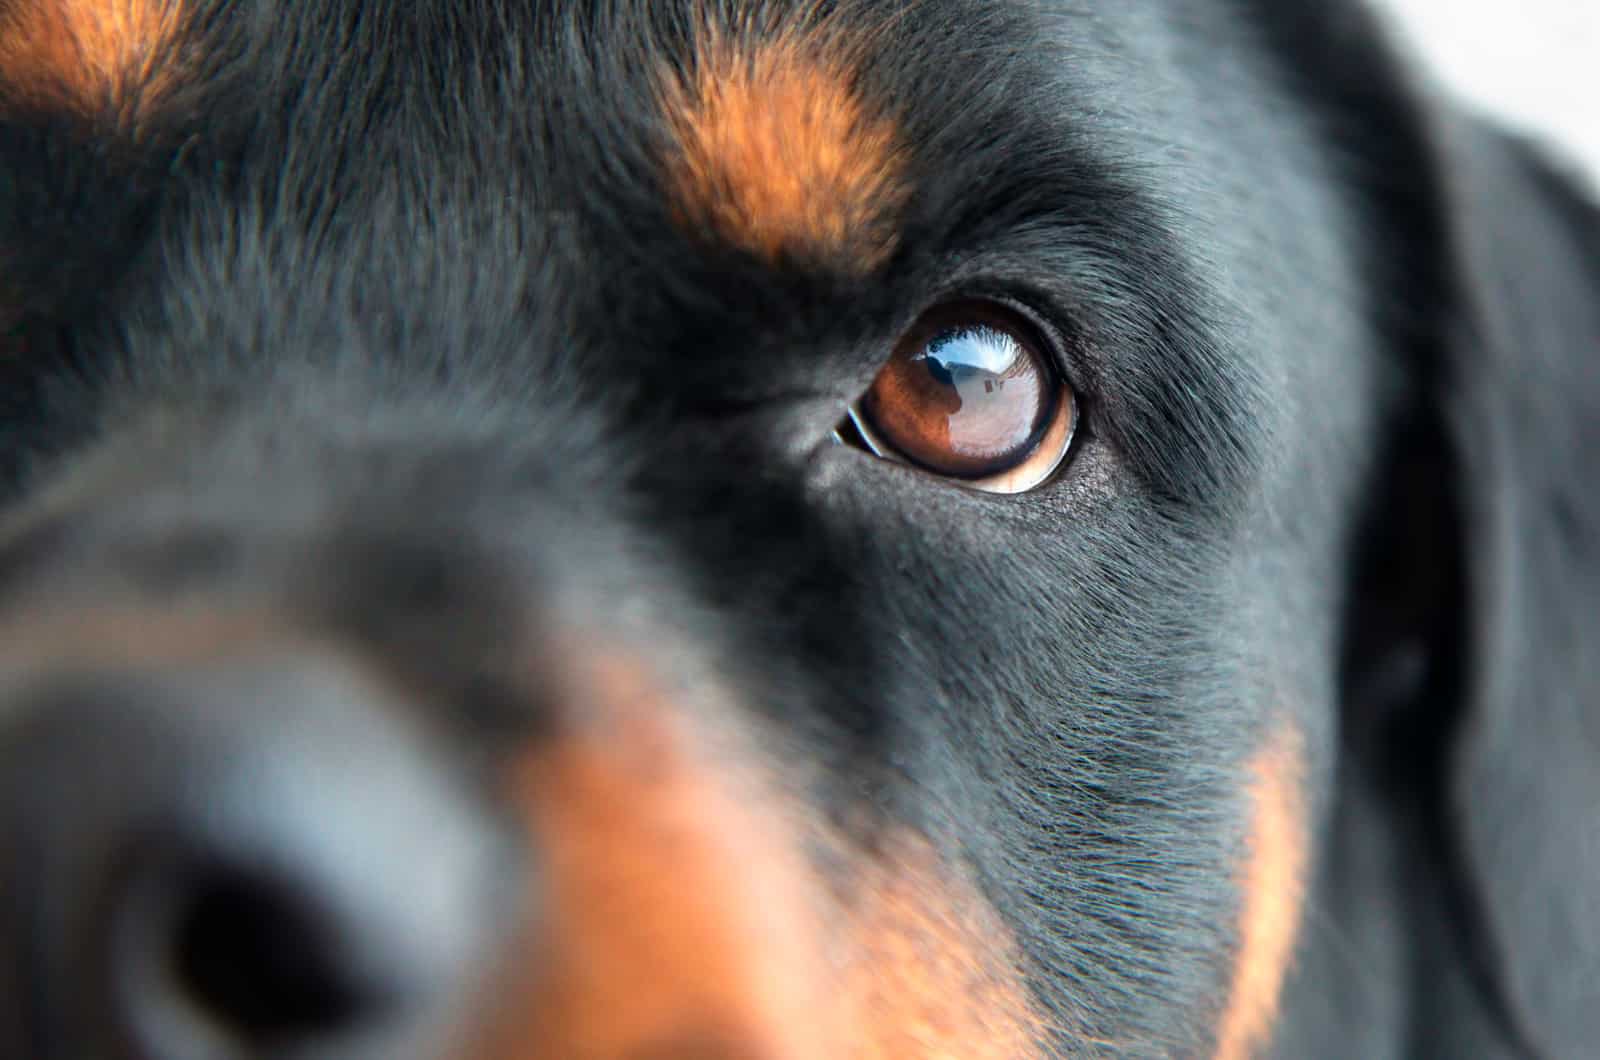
(969, 393)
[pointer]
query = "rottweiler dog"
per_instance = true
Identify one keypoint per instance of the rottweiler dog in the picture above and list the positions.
(787, 530)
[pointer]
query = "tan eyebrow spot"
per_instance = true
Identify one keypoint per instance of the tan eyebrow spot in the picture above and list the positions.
(1272, 883)
(775, 151)
(97, 57)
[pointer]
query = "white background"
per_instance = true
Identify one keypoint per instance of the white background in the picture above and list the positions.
(1535, 62)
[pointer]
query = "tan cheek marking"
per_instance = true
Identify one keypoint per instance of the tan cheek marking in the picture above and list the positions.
(676, 915)
(776, 152)
(87, 55)
(1272, 882)
(670, 917)
(934, 971)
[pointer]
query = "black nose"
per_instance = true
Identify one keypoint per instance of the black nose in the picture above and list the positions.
(262, 858)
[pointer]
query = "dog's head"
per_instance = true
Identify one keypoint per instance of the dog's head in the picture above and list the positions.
(696, 529)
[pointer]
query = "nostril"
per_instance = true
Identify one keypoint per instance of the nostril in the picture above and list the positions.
(221, 959)
(255, 858)
(257, 958)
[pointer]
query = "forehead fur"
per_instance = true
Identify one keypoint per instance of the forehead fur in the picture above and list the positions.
(776, 151)
(97, 57)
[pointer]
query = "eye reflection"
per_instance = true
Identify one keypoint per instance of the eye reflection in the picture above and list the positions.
(997, 401)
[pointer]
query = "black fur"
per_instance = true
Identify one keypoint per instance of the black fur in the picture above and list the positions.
(384, 317)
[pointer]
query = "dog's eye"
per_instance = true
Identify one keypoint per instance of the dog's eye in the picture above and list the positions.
(970, 394)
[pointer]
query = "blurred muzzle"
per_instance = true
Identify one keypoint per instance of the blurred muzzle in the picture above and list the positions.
(230, 856)
(225, 837)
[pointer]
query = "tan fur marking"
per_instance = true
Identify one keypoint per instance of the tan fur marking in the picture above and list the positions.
(675, 913)
(934, 971)
(90, 56)
(667, 917)
(776, 152)
(1272, 882)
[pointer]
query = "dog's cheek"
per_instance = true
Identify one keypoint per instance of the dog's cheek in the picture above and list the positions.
(1271, 882)
(675, 909)
(664, 913)
(932, 968)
